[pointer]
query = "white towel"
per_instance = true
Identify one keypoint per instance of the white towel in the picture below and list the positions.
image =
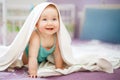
(12, 52)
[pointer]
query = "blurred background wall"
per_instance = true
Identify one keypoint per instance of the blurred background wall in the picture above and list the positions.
(79, 6)
(17, 11)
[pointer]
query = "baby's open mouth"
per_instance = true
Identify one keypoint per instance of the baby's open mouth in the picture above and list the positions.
(49, 28)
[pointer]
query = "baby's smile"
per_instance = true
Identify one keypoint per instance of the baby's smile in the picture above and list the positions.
(49, 28)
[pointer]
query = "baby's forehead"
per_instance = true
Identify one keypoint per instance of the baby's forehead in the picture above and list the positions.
(50, 11)
(53, 7)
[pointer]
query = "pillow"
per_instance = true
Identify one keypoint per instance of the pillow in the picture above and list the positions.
(101, 24)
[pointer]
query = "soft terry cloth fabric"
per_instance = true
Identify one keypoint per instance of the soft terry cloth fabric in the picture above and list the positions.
(10, 54)
(13, 52)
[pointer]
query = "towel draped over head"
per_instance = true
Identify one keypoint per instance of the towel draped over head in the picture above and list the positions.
(11, 53)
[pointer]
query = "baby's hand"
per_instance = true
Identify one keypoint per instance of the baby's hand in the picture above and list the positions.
(32, 67)
(32, 74)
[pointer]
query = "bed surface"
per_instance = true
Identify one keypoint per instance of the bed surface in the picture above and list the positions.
(20, 74)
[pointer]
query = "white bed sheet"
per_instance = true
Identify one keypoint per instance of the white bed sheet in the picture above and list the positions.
(91, 51)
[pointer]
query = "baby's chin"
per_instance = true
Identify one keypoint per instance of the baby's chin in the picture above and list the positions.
(51, 32)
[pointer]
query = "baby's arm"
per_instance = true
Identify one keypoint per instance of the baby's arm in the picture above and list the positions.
(57, 57)
(33, 53)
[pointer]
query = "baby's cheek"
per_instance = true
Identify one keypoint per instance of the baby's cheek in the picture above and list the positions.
(56, 29)
(41, 30)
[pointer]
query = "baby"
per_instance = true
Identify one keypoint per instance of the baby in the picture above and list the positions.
(44, 41)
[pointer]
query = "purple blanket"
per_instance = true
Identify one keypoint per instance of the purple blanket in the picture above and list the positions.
(21, 74)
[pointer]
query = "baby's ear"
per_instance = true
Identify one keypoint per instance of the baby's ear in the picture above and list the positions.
(36, 25)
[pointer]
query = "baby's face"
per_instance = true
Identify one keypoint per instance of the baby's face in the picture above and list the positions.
(48, 22)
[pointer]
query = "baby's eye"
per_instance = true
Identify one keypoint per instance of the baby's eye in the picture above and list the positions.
(54, 19)
(44, 19)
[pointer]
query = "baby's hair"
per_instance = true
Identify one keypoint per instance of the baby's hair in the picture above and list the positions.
(53, 6)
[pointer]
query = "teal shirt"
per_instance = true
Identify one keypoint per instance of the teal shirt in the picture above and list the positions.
(42, 53)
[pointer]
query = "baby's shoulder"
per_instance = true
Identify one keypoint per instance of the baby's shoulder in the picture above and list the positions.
(34, 36)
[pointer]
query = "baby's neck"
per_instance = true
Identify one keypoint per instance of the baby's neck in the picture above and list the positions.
(47, 40)
(46, 36)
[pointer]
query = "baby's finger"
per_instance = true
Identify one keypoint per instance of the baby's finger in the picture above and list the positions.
(33, 76)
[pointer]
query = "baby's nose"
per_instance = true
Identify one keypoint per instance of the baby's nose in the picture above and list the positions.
(50, 22)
